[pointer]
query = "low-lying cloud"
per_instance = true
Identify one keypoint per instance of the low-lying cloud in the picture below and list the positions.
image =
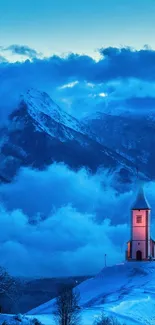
(66, 243)
(41, 192)
(59, 222)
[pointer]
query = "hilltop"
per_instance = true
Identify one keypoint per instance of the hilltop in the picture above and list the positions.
(126, 291)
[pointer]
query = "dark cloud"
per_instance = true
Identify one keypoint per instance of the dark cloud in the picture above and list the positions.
(115, 64)
(127, 63)
(22, 50)
(141, 103)
(121, 73)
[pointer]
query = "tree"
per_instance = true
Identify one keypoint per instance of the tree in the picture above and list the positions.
(67, 310)
(8, 288)
(106, 320)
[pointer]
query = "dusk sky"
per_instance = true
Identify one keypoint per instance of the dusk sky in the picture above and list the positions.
(76, 26)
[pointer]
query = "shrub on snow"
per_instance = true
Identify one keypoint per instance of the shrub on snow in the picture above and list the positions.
(106, 320)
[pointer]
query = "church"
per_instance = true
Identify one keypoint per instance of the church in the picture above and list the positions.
(141, 246)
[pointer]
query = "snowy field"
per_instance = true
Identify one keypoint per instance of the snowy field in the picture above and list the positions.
(87, 318)
(126, 291)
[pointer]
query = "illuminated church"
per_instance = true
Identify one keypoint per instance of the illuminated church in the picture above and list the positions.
(141, 246)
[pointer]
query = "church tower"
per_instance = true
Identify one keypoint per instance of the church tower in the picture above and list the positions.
(141, 246)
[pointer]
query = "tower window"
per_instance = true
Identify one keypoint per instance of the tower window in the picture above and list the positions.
(139, 219)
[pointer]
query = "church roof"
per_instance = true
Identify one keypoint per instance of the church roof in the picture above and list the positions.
(141, 202)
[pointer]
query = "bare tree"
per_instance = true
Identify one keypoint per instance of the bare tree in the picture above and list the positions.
(8, 287)
(106, 320)
(67, 310)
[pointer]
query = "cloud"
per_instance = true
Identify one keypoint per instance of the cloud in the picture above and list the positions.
(69, 241)
(73, 217)
(69, 85)
(127, 63)
(22, 50)
(56, 247)
(2, 59)
(85, 192)
(65, 214)
(122, 74)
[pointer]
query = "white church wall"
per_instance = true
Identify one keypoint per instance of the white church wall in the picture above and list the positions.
(136, 247)
(154, 249)
(139, 233)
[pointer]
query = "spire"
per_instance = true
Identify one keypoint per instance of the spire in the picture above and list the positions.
(141, 202)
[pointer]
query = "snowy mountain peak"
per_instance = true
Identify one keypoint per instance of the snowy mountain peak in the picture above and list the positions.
(40, 133)
(39, 104)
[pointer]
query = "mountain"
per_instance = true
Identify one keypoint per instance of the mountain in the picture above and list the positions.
(126, 291)
(39, 133)
(130, 135)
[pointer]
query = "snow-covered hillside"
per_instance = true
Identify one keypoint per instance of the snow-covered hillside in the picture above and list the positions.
(126, 291)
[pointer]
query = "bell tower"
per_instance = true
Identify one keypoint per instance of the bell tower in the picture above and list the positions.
(140, 245)
(140, 229)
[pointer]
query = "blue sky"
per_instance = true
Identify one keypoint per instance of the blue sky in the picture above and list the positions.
(60, 26)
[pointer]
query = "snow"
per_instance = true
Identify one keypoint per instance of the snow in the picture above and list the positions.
(43, 109)
(12, 319)
(126, 291)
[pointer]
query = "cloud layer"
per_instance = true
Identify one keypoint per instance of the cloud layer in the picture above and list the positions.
(67, 243)
(43, 191)
(75, 219)
(58, 221)
(124, 75)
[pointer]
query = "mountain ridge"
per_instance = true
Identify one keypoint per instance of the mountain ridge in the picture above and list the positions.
(39, 133)
(132, 137)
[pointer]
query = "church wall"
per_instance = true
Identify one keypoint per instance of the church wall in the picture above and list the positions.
(136, 247)
(149, 248)
(139, 229)
(139, 213)
(141, 233)
(153, 249)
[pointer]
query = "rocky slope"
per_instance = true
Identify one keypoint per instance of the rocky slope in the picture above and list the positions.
(132, 136)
